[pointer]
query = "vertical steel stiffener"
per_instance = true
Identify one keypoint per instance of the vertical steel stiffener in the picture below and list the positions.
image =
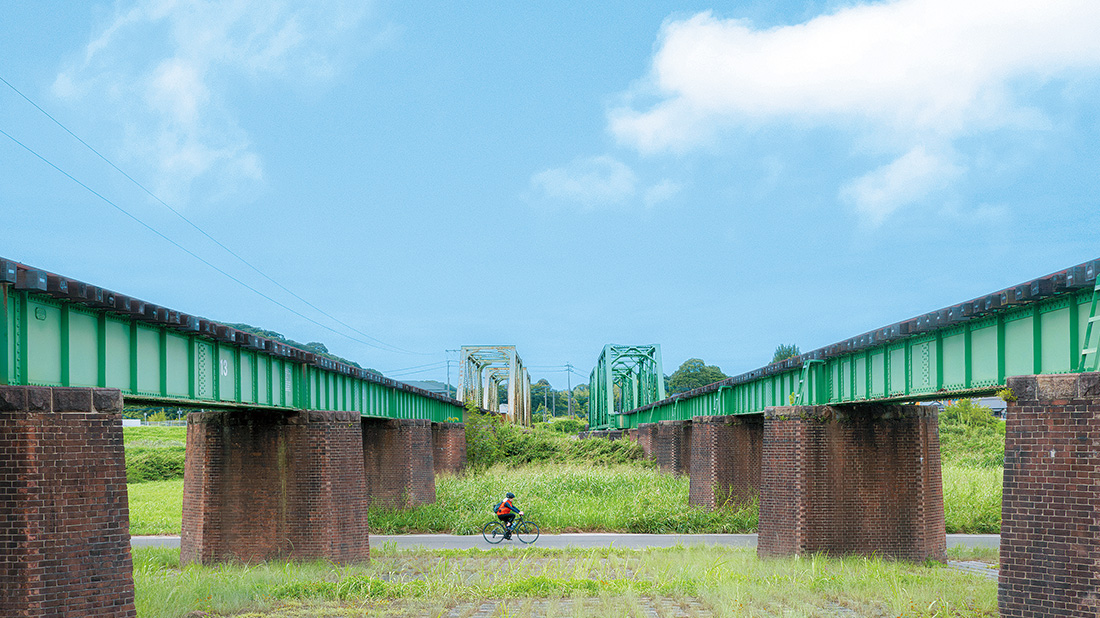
(634, 372)
(483, 369)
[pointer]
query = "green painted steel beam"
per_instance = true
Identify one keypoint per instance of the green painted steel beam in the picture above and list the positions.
(55, 332)
(1039, 327)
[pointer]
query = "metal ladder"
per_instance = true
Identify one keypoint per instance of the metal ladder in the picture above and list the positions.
(1090, 360)
(803, 395)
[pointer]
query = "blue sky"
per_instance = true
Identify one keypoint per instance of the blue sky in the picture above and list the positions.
(715, 178)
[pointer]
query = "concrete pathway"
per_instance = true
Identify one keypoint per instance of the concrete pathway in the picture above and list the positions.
(580, 540)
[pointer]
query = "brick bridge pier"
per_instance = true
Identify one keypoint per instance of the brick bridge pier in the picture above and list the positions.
(258, 485)
(855, 479)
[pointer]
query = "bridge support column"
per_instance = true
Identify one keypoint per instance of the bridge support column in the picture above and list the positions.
(398, 459)
(859, 479)
(673, 447)
(449, 447)
(64, 516)
(1050, 550)
(261, 485)
(647, 438)
(725, 459)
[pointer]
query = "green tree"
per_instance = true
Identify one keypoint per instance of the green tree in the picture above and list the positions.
(784, 351)
(966, 412)
(693, 374)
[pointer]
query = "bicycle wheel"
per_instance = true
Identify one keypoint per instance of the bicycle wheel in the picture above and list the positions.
(527, 531)
(493, 532)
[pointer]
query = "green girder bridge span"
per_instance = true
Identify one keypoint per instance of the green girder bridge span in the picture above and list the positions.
(56, 331)
(1045, 326)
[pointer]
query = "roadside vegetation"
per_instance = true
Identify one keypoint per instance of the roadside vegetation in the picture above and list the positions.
(972, 448)
(682, 581)
(571, 485)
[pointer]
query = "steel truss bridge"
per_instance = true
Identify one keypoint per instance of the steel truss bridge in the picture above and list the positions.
(1045, 326)
(633, 373)
(483, 369)
(56, 331)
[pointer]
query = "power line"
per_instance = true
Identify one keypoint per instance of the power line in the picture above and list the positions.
(438, 364)
(202, 231)
(179, 246)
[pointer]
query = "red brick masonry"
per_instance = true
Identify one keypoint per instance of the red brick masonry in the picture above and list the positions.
(1050, 528)
(725, 459)
(449, 447)
(261, 485)
(398, 458)
(646, 435)
(64, 517)
(860, 479)
(672, 448)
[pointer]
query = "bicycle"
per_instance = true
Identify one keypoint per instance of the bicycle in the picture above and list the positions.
(526, 531)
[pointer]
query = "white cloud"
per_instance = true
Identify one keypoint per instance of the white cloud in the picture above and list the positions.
(906, 72)
(591, 181)
(660, 192)
(600, 181)
(904, 181)
(159, 69)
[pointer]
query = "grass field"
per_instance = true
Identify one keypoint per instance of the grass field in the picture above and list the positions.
(631, 496)
(570, 498)
(693, 582)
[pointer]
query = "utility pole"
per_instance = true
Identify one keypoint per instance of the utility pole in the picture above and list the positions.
(569, 382)
(448, 370)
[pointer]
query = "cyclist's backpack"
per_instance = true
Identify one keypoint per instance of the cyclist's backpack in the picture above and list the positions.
(502, 509)
(496, 507)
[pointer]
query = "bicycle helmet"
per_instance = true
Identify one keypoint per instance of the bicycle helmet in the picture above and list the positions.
(509, 495)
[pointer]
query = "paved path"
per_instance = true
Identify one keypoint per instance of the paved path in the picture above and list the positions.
(581, 540)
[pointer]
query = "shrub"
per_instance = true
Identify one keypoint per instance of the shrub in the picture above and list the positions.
(154, 464)
(966, 412)
(567, 425)
(489, 441)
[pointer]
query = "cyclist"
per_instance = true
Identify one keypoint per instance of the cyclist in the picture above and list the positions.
(506, 512)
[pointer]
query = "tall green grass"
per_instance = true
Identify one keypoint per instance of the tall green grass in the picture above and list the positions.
(565, 492)
(156, 507)
(154, 453)
(972, 499)
(696, 581)
(490, 442)
(567, 498)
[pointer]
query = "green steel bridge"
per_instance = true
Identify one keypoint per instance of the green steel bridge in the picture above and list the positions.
(60, 332)
(1044, 326)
